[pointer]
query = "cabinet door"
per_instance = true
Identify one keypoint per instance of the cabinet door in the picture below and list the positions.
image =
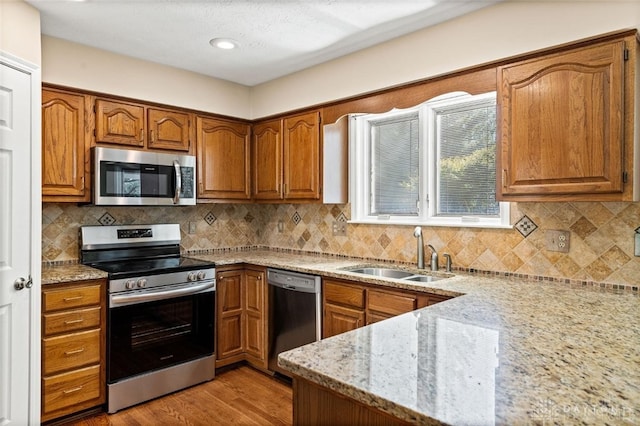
(65, 147)
(120, 123)
(255, 321)
(562, 123)
(168, 130)
(223, 159)
(301, 136)
(340, 319)
(229, 298)
(267, 161)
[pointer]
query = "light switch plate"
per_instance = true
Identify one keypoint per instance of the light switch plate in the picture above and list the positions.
(192, 227)
(558, 240)
(637, 253)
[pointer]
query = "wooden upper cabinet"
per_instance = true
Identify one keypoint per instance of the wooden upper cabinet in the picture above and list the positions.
(562, 128)
(223, 159)
(301, 156)
(266, 151)
(120, 123)
(65, 144)
(168, 129)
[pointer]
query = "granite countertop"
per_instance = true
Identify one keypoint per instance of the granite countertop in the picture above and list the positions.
(505, 351)
(56, 274)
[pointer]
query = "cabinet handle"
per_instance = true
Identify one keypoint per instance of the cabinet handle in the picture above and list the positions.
(141, 135)
(68, 391)
(69, 322)
(259, 277)
(74, 352)
(504, 178)
(71, 299)
(152, 140)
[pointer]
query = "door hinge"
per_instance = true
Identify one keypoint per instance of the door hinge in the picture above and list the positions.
(626, 54)
(625, 177)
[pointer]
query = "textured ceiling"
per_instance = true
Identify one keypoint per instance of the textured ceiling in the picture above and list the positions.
(277, 37)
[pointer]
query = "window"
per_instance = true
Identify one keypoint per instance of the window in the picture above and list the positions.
(432, 164)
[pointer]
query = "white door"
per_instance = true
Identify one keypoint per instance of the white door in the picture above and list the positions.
(15, 244)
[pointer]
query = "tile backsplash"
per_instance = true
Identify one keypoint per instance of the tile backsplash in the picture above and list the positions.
(601, 240)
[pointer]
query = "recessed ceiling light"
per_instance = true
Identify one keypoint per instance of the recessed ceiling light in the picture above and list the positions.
(223, 43)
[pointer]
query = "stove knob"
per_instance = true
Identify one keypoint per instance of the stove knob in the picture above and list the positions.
(191, 276)
(130, 284)
(142, 283)
(201, 275)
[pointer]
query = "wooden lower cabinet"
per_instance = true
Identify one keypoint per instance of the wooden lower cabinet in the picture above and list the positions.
(241, 316)
(316, 405)
(340, 319)
(348, 305)
(73, 347)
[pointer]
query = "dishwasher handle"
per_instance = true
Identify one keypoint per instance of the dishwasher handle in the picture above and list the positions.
(293, 281)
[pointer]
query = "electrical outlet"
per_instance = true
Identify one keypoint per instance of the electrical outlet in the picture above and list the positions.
(193, 227)
(558, 241)
(339, 228)
(280, 226)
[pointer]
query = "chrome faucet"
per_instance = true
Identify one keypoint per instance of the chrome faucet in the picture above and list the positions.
(447, 256)
(417, 232)
(434, 258)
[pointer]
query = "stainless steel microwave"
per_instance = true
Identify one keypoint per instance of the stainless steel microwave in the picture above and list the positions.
(140, 178)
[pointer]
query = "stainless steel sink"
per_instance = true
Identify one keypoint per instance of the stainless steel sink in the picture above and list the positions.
(394, 273)
(382, 272)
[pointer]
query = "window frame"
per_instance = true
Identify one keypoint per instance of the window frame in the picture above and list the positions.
(360, 171)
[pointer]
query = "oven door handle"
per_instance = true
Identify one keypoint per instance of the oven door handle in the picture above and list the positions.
(129, 299)
(176, 194)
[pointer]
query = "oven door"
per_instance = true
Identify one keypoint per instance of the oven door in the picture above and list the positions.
(151, 330)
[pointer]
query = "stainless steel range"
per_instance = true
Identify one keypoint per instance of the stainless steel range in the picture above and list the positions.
(161, 317)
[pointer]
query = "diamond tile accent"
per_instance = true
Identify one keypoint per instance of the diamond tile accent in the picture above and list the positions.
(526, 226)
(210, 218)
(296, 218)
(106, 219)
(341, 218)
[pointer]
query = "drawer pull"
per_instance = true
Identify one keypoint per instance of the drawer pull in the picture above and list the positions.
(69, 322)
(72, 390)
(71, 299)
(77, 351)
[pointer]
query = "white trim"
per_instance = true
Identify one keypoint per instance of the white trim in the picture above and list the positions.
(360, 164)
(35, 233)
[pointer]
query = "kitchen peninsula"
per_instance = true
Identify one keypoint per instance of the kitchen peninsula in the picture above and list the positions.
(505, 351)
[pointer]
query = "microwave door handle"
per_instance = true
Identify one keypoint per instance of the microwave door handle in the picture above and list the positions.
(176, 195)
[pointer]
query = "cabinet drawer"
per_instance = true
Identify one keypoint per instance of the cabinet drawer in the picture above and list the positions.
(70, 351)
(436, 298)
(73, 297)
(344, 294)
(67, 321)
(70, 389)
(390, 303)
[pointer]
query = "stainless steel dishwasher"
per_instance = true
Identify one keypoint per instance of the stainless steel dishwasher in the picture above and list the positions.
(294, 312)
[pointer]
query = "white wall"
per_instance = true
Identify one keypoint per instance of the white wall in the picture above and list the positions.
(80, 66)
(486, 35)
(20, 30)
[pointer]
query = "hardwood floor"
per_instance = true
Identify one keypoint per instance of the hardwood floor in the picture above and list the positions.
(241, 396)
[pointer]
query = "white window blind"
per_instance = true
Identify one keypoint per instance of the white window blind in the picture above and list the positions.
(395, 165)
